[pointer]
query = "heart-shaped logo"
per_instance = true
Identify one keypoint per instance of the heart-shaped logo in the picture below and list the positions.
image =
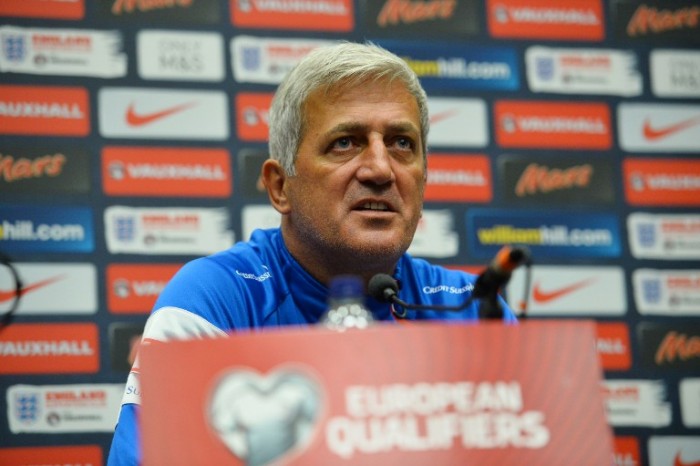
(260, 418)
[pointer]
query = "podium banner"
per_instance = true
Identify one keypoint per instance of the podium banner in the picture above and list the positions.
(485, 393)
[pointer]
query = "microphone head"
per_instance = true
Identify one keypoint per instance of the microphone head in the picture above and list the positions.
(382, 287)
(510, 258)
(520, 255)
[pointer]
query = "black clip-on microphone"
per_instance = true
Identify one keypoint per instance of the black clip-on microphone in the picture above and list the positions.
(384, 287)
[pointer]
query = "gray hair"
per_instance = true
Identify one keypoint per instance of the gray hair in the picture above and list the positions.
(324, 68)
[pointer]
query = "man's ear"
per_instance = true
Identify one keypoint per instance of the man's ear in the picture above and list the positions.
(274, 178)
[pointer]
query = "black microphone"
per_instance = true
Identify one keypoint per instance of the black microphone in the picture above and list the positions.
(384, 287)
(496, 276)
(498, 273)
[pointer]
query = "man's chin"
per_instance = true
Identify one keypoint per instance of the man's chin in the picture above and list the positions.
(377, 248)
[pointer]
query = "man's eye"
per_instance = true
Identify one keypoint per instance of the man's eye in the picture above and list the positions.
(404, 143)
(342, 143)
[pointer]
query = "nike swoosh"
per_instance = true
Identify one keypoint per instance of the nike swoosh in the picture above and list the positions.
(677, 461)
(136, 119)
(438, 117)
(546, 296)
(8, 295)
(653, 134)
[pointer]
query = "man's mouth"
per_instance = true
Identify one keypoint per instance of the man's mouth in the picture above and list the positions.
(380, 206)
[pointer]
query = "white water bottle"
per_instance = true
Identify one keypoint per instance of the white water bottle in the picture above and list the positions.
(346, 304)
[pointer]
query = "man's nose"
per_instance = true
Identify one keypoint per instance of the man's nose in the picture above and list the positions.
(375, 163)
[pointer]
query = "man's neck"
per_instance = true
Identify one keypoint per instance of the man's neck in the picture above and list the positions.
(323, 266)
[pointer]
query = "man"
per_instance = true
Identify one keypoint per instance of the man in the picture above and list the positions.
(348, 130)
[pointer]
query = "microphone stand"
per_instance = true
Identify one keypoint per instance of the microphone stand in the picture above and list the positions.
(490, 307)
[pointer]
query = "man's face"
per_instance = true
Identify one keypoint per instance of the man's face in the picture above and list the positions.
(358, 190)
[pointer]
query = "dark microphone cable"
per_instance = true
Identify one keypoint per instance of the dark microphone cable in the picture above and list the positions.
(9, 314)
(384, 287)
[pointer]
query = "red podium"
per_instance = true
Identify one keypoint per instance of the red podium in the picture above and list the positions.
(437, 394)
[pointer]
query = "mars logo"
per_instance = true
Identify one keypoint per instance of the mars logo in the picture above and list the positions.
(262, 418)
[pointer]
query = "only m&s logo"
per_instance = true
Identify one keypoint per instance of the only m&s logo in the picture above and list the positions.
(46, 229)
(548, 234)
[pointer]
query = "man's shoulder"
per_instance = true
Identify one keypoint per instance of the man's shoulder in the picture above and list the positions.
(424, 270)
(248, 257)
(232, 288)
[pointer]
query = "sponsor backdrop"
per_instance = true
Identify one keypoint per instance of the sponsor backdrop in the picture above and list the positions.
(132, 132)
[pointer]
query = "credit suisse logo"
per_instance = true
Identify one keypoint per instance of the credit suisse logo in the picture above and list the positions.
(423, 18)
(46, 229)
(562, 234)
(580, 20)
(552, 125)
(54, 9)
(252, 116)
(581, 180)
(166, 172)
(459, 178)
(134, 288)
(63, 455)
(613, 346)
(319, 15)
(44, 110)
(662, 182)
(49, 349)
